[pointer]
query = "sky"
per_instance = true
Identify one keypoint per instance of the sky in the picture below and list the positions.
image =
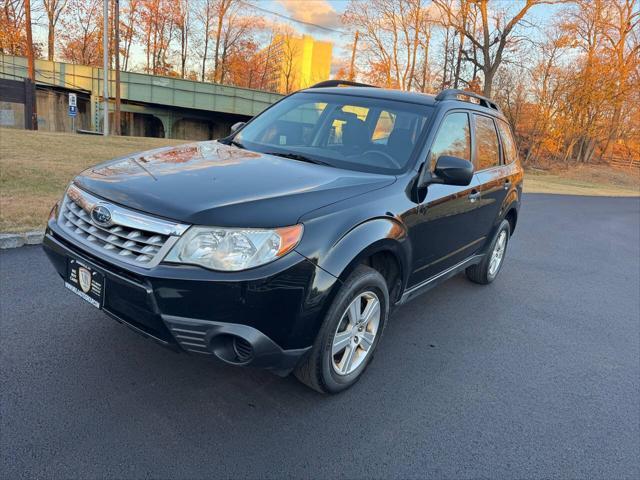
(326, 15)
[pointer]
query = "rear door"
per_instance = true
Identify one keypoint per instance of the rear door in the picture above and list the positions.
(491, 176)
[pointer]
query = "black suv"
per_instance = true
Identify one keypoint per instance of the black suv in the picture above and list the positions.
(286, 244)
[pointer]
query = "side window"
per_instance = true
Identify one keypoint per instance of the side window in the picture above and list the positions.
(383, 128)
(508, 145)
(454, 138)
(487, 141)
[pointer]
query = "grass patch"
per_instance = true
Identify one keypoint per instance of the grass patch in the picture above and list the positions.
(592, 180)
(35, 168)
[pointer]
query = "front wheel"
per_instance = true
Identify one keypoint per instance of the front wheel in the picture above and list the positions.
(487, 270)
(349, 334)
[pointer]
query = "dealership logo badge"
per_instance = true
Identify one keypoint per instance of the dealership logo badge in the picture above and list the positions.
(84, 276)
(101, 215)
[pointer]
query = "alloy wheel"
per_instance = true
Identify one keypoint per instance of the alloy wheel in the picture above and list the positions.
(356, 333)
(498, 253)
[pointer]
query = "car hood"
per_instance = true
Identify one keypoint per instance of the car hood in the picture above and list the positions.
(209, 183)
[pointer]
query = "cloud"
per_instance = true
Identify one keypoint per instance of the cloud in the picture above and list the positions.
(318, 12)
(436, 14)
(339, 65)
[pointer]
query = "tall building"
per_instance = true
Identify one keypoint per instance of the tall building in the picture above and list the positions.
(292, 63)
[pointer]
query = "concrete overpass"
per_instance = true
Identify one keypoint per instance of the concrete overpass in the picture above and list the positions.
(152, 105)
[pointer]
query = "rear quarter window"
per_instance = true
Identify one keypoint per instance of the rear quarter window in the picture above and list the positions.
(508, 144)
(488, 147)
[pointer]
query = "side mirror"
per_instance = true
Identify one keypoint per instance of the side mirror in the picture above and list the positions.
(452, 171)
(237, 126)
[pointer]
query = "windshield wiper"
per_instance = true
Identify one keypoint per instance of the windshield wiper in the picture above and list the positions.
(236, 143)
(297, 156)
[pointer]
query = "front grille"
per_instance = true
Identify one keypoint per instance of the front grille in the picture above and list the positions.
(129, 236)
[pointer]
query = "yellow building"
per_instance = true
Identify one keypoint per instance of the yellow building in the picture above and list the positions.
(294, 63)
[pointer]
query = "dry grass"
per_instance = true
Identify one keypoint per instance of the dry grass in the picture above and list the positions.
(592, 180)
(35, 167)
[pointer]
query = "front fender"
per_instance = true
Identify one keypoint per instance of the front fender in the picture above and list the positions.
(341, 256)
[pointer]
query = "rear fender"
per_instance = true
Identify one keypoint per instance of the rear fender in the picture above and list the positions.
(511, 201)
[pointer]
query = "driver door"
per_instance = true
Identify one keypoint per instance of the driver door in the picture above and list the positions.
(444, 230)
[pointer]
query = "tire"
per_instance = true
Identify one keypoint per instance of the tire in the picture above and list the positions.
(327, 372)
(484, 273)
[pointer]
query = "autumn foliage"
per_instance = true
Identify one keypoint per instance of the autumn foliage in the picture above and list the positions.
(569, 80)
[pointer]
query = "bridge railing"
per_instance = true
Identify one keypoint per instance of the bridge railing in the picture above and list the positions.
(140, 87)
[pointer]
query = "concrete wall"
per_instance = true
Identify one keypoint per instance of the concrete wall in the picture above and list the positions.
(11, 115)
(138, 125)
(52, 107)
(53, 115)
(197, 129)
(136, 120)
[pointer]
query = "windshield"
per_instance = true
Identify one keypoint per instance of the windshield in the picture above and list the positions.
(345, 131)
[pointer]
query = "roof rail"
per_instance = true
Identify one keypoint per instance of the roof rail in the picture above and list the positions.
(455, 94)
(338, 83)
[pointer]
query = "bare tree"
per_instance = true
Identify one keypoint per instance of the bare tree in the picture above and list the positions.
(205, 14)
(183, 24)
(286, 41)
(494, 36)
(53, 9)
(221, 9)
(128, 25)
(390, 31)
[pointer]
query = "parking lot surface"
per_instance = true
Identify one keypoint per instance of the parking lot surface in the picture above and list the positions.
(536, 375)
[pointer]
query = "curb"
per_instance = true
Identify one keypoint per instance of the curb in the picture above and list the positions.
(15, 240)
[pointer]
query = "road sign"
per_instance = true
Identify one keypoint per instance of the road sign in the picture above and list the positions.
(73, 110)
(73, 100)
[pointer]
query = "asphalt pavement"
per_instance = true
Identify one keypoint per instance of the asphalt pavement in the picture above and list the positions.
(536, 375)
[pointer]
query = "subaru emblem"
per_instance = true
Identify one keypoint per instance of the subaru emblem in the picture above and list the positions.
(101, 215)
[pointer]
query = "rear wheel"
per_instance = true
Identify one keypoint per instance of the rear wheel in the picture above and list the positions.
(349, 335)
(487, 270)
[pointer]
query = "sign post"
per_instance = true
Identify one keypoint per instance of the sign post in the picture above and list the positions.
(73, 110)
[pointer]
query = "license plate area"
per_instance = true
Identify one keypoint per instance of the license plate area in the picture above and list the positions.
(84, 281)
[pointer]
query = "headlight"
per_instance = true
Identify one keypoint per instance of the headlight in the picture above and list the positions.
(233, 249)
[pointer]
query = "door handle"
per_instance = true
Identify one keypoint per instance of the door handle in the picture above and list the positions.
(507, 184)
(474, 196)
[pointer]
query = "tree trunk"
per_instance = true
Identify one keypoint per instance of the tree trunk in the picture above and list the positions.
(488, 82)
(217, 47)
(185, 45)
(51, 40)
(446, 61)
(456, 76)
(353, 56)
(206, 48)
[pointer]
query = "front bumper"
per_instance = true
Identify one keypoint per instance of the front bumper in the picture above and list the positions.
(266, 317)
